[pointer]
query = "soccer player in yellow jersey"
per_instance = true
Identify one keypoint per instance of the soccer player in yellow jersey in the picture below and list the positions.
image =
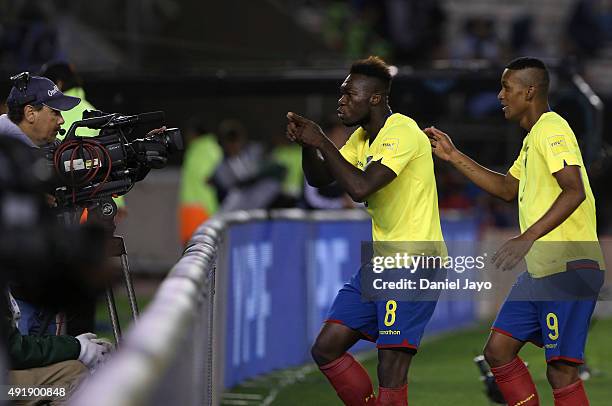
(386, 163)
(558, 241)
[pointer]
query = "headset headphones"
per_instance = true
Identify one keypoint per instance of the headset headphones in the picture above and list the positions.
(20, 82)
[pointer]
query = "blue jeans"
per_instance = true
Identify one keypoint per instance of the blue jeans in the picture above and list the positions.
(32, 318)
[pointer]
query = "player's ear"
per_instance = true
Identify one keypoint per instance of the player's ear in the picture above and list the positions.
(531, 92)
(375, 99)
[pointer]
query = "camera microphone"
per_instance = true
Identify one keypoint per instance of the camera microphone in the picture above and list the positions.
(144, 118)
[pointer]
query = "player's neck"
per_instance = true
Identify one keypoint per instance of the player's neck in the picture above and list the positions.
(377, 121)
(532, 115)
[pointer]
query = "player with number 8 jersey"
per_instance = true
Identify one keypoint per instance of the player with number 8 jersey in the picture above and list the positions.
(386, 163)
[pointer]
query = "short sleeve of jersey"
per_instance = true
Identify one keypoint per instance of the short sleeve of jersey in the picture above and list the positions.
(398, 146)
(349, 149)
(558, 147)
(517, 167)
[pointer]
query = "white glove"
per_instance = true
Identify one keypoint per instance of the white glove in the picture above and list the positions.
(107, 347)
(92, 351)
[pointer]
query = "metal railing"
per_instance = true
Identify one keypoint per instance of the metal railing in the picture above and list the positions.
(594, 108)
(172, 338)
(173, 354)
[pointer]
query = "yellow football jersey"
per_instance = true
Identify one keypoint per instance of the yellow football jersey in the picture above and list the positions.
(407, 208)
(549, 147)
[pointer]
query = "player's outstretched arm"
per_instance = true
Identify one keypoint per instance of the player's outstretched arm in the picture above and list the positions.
(357, 183)
(500, 185)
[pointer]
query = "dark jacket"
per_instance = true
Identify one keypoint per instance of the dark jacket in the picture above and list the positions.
(26, 352)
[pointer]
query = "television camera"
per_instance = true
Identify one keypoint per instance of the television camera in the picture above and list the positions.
(91, 170)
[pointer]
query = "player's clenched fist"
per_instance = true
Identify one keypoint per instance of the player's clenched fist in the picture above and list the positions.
(441, 143)
(304, 131)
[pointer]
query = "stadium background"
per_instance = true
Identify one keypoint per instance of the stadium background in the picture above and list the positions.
(253, 61)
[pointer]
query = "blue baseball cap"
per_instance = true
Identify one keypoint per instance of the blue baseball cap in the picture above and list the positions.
(38, 90)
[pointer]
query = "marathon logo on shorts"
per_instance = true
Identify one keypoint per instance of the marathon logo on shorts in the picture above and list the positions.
(389, 332)
(557, 144)
(53, 91)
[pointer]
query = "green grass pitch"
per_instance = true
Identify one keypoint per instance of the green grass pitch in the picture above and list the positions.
(443, 373)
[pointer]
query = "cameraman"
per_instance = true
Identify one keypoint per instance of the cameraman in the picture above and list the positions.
(34, 118)
(67, 80)
(34, 111)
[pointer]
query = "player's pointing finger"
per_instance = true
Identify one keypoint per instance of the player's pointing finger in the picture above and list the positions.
(297, 118)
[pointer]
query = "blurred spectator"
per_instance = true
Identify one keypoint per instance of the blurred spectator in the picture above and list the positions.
(599, 172)
(458, 193)
(337, 15)
(289, 156)
(454, 192)
(355, 31)
(416, 29)
(522, 41)
(331, 196)
(245, 178)
(33, 39)
(495, 212)
(477, 41)
(198, 199)
(585, 28)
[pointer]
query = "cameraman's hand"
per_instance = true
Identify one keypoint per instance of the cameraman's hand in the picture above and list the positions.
(156, 131)
(93, 350)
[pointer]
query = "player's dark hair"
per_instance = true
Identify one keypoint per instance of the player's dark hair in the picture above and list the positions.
(374, 67)
(526, 62)
(57, 71)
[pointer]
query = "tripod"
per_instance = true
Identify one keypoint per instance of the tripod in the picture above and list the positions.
(117, 249)
(103, 211)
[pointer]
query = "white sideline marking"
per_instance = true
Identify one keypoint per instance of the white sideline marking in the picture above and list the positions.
(282, 378)
(236, 402)
(243, 396)
(270, 398)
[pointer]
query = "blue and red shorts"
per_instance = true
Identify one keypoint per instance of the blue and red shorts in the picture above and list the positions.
(560, 326)
(388, 323)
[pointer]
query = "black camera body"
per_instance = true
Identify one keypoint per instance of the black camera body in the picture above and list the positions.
(45, 261)
(108, 165)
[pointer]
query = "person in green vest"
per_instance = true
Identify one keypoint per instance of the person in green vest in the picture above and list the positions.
(289, 156)
(198, 199)
(68, 81)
